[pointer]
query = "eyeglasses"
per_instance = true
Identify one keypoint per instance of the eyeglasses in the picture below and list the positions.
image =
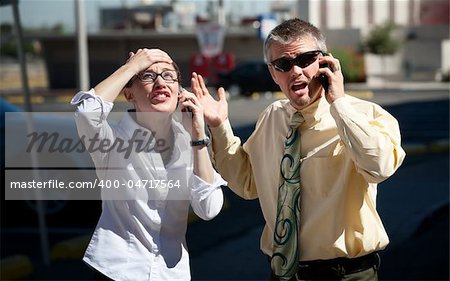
(150, 77)
(170, 76)
(302, 60)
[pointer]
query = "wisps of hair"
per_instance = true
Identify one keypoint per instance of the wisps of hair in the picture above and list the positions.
(291, 30)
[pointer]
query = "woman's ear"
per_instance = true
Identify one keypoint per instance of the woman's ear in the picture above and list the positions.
(180, 90)
(128, 94)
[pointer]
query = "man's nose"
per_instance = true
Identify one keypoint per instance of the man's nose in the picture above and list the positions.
(296, 70)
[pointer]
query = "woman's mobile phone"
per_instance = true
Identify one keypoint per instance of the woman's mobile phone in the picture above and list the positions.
(186, 109)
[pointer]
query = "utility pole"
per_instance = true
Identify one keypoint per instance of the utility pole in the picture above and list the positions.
(21, 54)
(221, 20)
(29, 121)
(82, 43)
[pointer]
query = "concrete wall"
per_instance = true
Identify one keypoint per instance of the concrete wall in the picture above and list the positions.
(108, 51)
(420, 58)
(423, 52)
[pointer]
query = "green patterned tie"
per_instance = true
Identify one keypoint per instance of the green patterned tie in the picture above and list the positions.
(285, 256)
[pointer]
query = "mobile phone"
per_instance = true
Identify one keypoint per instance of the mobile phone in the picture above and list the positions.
(186, 109)
(323, 78)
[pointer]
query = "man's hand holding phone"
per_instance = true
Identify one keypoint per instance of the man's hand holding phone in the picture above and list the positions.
(331, 77)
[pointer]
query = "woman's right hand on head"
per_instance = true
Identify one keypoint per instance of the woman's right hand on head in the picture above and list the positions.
(144, 58)
(137, 62)
(215, 111)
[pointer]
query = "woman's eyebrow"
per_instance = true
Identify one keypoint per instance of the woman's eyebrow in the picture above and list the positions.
(162, 69)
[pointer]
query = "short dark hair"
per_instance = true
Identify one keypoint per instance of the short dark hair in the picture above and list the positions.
(291, 30)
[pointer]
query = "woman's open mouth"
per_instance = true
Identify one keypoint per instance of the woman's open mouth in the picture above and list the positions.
(160, 96)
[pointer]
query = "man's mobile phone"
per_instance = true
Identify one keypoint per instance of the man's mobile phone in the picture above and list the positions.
(323, 78)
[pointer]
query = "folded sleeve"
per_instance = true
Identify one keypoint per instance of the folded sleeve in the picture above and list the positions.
(371, 136)
(90, 118)
(90, 102)
(207, 199)
(232, 161)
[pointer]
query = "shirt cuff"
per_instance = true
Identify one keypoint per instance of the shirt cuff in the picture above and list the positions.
(222, 135)
(201, 189)
(341, 107)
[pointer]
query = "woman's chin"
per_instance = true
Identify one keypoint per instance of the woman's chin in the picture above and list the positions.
(167, 107)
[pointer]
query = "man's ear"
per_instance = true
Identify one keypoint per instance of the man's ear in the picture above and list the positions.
(272, 73)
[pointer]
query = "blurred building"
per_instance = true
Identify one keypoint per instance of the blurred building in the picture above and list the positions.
(141, 17)
(423, 29)
(171, 25)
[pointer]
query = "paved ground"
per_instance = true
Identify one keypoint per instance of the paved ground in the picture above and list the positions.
(413, 205)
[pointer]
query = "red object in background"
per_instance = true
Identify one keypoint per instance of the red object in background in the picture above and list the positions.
(200, 64)
(223, 63)
(434, 12)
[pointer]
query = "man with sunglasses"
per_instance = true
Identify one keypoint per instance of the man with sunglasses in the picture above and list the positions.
(314, 161)
(147, 190)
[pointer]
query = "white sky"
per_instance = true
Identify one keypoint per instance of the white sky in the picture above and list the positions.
(47, 13)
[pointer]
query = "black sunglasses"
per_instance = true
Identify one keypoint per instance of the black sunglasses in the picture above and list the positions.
(302, 60)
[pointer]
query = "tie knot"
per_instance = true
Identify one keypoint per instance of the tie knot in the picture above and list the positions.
(296, 120)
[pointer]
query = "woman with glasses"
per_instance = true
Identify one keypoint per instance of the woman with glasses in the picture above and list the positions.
(314, 162)
(151, 169)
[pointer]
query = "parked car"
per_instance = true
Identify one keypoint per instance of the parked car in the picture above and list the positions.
(247, 78)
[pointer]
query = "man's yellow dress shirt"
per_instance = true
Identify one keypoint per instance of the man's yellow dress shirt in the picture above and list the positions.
(347, 148)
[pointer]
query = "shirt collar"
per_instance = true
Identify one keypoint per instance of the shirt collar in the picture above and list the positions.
(313, 112)
(181, 136)
(130, 126)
